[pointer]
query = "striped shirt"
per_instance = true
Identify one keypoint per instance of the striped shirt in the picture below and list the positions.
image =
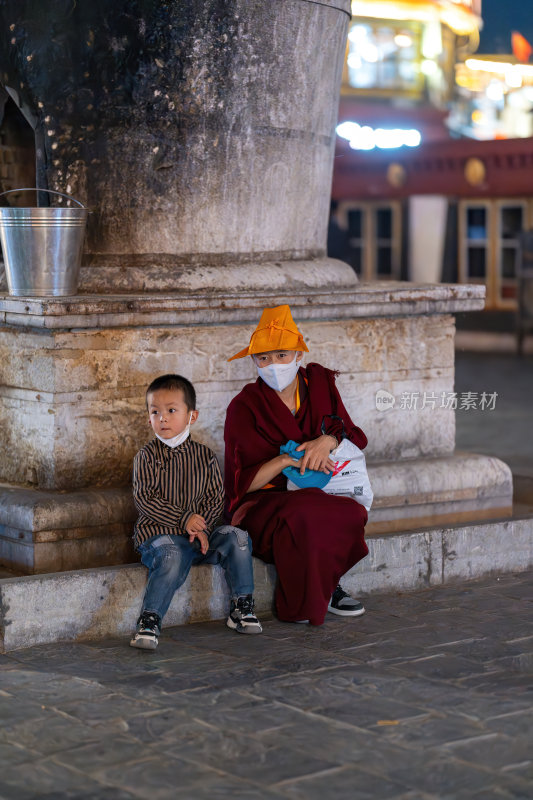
(170, 484)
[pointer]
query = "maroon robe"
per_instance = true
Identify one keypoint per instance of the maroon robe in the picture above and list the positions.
(312, 537)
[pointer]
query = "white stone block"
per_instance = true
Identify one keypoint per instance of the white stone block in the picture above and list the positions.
(397, 562)
(500, 548)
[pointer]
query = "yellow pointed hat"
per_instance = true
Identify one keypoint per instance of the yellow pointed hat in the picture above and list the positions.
(276, 331)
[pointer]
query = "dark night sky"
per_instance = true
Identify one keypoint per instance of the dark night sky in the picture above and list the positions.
(500, 17)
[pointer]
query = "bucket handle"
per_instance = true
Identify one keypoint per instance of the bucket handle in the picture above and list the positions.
(50, 191)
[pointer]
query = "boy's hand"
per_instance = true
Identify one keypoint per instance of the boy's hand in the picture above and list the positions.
(203, 540)
(196, 528)
(196, 524)
(316, 455)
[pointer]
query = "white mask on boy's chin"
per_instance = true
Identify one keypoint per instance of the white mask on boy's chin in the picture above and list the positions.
(180, 438)
(279, 376)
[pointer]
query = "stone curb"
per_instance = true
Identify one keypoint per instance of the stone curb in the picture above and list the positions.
(93, 603)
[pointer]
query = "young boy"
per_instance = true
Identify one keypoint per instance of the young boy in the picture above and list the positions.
(178, 491)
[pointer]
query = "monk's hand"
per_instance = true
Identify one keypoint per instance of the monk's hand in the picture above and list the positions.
(285, 460)
(317, 454)
(197, 529)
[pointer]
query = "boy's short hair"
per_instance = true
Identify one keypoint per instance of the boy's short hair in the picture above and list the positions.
(174, 382)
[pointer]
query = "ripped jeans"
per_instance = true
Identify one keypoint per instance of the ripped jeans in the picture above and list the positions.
(170, 558)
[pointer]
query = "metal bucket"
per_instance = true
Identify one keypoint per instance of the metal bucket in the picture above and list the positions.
(42, 248)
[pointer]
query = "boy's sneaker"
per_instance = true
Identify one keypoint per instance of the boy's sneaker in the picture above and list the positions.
(148, 629)
(344, 605)
(241, 616)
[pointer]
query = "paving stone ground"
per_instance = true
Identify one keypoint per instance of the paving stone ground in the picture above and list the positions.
(428, 695)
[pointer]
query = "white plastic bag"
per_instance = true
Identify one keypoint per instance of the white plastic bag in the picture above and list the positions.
(350, 476)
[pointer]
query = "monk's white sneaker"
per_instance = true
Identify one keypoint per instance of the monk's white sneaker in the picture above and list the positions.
(344, 605)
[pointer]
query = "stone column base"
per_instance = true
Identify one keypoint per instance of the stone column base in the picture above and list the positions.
(129, 275)
(73, 375)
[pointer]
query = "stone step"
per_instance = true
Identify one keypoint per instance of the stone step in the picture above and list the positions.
(444, 490)
(105, 601)
(44, 531)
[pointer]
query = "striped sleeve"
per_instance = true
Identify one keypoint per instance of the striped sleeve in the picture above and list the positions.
(146, 494)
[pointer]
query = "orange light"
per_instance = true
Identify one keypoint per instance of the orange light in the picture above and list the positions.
(521, 47)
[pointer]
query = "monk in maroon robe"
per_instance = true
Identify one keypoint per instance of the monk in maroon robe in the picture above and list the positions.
(313, 538)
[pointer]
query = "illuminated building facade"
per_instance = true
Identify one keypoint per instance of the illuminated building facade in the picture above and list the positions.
(494, 98)
(408, 49)
(418, 202)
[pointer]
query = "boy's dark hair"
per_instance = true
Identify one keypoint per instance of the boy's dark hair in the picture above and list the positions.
(175, 382)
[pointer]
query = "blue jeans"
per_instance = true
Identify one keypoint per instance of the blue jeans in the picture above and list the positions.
(170, 558)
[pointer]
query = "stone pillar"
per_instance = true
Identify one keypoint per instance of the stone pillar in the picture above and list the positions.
(200, 133)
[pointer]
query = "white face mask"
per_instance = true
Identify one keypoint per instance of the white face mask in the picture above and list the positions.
(180, 438)
(279, 376)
